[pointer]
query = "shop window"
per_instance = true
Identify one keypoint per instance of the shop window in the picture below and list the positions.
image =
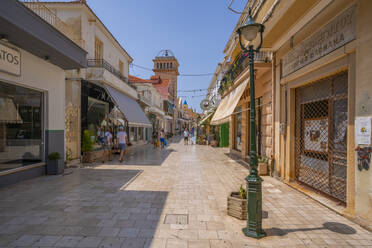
(96, 115)
(140, 133)
(21, 126)
(238, 128)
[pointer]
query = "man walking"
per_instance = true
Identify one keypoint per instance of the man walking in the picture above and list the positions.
(122, 140)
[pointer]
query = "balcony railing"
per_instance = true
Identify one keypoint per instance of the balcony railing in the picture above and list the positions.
(101, 63)
(49, 16)
(239, 65)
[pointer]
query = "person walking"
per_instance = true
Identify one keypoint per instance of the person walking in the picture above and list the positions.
(154, 138)
(122, 140)
(162, 138)
(107, 143)
(185, 137)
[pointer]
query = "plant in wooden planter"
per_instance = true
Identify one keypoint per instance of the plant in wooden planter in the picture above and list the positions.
(263, 165)
(55, 164)
(237, 204)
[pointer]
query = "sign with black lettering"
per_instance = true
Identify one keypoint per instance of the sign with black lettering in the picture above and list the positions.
(10, 60)
(331, 36)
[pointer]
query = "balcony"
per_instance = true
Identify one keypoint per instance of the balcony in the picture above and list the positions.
(50, 17)
(99, 70)
(240, 64)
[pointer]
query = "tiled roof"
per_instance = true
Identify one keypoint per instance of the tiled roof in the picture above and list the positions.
(161, 85)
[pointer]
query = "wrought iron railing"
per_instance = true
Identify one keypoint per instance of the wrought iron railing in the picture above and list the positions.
(101, 63)
(49, 16)
(239, 65)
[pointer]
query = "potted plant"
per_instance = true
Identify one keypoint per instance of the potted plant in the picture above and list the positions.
(87, 147)
(237, 204)
(55, 164)
(262, 165)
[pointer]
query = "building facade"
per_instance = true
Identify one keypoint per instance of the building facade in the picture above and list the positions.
(34, 58)
(95, 93)
(317, 81)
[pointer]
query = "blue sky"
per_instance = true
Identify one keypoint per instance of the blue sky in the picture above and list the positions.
(196, 32)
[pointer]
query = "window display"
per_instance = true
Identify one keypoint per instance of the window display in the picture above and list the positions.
(20, 126)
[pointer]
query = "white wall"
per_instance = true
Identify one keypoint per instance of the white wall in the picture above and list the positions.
(43, 76)
(111, 52)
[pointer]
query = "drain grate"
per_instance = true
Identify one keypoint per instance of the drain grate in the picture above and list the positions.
(180, 219)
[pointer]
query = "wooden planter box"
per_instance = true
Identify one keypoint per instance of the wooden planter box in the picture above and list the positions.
(236, 206)
(262, 169)
(90, 157)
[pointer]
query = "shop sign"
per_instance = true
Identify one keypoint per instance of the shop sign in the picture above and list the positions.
(363, 130)
(333, 35)
(10, 60)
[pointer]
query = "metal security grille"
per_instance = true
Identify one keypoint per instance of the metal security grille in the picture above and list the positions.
(321, 135)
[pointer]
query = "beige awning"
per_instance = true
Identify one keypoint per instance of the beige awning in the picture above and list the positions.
(228, 104)
(206, 117)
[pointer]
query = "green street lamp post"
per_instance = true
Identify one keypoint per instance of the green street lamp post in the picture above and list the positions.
(248, 33)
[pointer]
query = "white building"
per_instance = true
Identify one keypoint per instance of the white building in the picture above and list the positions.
(92, 93)
(32, 91)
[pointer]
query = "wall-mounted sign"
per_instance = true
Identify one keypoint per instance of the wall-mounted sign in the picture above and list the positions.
(333, 35)
(10, 60)
(363, 130)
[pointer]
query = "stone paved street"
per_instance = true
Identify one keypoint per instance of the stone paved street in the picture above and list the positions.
(174, 198)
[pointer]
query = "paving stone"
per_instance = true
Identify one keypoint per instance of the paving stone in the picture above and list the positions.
(69, 241)
(26, 240)
(47, 240)
(111, 242)
(176, 243)
(128, 232)
(90, 242)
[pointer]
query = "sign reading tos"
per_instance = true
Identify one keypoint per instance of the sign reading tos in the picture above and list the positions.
(10, 60)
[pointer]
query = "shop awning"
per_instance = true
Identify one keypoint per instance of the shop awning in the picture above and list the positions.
(206, 117)
(228, 104)
(129, 107)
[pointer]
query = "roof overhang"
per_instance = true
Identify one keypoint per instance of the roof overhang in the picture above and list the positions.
(25, 29)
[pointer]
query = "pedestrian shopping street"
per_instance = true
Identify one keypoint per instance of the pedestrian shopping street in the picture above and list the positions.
(163, 198)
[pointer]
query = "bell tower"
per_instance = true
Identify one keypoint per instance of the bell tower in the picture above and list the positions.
(166, 66)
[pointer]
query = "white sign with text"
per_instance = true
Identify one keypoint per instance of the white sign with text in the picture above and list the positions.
(10, 60)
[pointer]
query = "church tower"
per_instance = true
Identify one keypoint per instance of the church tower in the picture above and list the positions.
(166, 66)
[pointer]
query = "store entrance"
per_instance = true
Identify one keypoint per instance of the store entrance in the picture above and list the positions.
(321, 135)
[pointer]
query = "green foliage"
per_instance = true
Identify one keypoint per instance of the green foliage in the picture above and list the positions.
(263, 159)
(242, 192)
(87, 144)
(54, 156)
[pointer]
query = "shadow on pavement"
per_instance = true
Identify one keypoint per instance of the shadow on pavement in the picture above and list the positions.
(88, 205)
(239, 160)
(332, 226)
(146, 155)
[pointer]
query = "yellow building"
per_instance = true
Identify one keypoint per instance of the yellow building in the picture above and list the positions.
(318, 85)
